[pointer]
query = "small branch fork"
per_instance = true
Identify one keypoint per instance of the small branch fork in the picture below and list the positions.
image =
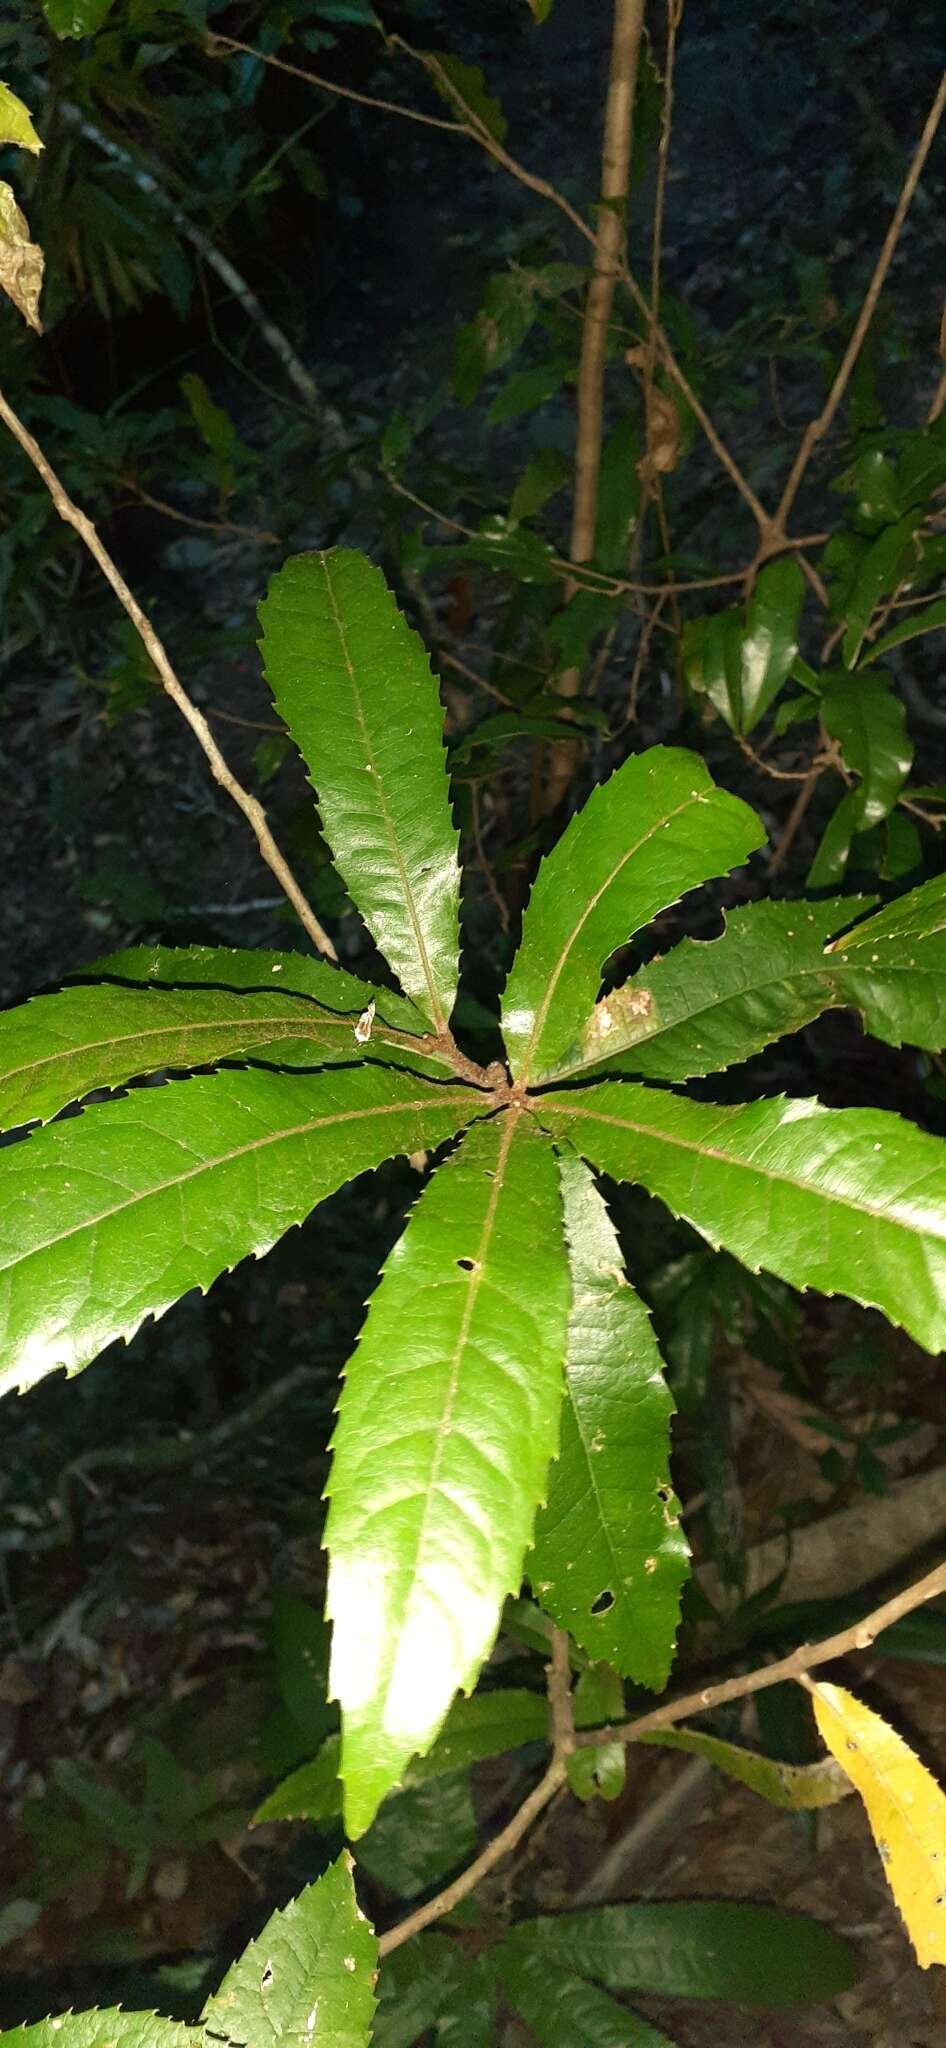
(250, 806)
(565, 1740)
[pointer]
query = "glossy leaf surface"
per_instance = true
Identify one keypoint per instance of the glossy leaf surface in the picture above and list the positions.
(770, 641)
(310, 1973)
(241, 967)
(104, 2029)
(610, 1556)
(911, 627)
(867, 719)
(850, 1201)
(111, 1216)
(797, 1788)
(697, 1949)
(76, 17)
(446, 1426)
(905, 1806)
(558, 2006)
(656, 829)
(354, 685)
(876, 576)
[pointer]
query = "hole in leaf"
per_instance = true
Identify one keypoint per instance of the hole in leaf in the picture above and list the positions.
(469, 1265)
(604, 1602)
(266, 1978)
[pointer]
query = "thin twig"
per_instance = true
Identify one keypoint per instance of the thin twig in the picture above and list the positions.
(222, 46)
(250, 806)
(818, 427)
(260, 534)
(796, 814)
(859, 1636)
(559, 1679)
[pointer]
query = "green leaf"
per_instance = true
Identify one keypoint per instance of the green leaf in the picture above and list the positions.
(619, 497)
(310, 1972)
(446, 1426)
(421, 1835)
(300, 1640)
(540, 10)
(499, 727)
(463, 88)
(708, 1004)
(610, 1557)
(697, 1949)
(599, 1772)
(559, 2007)
(76, 17)
(251, 968)
(16, 124)
(546, 474)
(798, 1788)
(525, 390)
(834, 847)
(850, 1201)
(215, 428)
(467, 2018)
(656, 829)
(488, 1724)
(353, 684)
(910, 627)
(54, 1049)
(867, 719)
(770, 643)
(108, 2028)
(417, 1981)
(877, 575)
(711, 656)
(112, 1215)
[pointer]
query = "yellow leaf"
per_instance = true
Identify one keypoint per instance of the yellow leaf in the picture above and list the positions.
(21, 261)
(15, 123)
(905, 1806)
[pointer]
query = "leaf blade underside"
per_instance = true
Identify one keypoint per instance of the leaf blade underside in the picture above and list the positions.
(446, 1426)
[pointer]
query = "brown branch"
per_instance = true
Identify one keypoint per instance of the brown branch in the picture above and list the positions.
(261, 534)
(559, 1679)
(250, 806)
(859, 1637)
(818, 427)
(222, 46)
(796, 814)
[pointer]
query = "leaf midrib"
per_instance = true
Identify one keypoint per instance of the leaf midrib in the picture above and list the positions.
(787, 1180)
(436, 1010)
(224, 1159)
(591, 905)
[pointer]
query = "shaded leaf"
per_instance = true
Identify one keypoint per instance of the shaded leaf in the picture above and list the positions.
(905, 1806)
(619, 497)
(797, 1788)
(525, 390)
(446, 1426)
(559, 2006)
(111, 1216)
(658, 827)
(21, 261)
(354, 686)
(770, 641)
(610, 1556)
(868, 720)
(599, 1772)
(76, 17)
(421, 1835)
(851, 1201)
(834, 847)
(546, 474)
(696, 1949)
(711, 655)
(910, 627)
(463, 87)
(310, 1973)
(300, 1640)
(877, 574)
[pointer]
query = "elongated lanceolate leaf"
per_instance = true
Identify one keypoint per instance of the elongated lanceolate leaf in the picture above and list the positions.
(447, 1423)
(55, 1048)
(656, 829)
(770, 643)
(863, 714)
(910, 627)
(111, 1216)
(697, 1949)
(109, 2028)
(905, 1806)
(848, 1200)
(558, 2006)
(309, 1976)
(797, 1788)
(354, 686)
(243, 967)
(877, 575)
(610, 1556)
(712, 1002)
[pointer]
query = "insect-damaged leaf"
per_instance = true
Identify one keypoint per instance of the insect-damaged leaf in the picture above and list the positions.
(446, 1426)
(610, 1556)
(111, 1216)
(797, 1788)
(353, 683)
(656, 829)
(309, 1977)
(852, 1201)
(905, 1806)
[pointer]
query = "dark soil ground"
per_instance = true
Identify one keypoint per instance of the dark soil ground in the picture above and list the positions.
(148, 1611)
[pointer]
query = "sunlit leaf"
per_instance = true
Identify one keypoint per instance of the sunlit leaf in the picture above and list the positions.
(311, 1971)
(446, 1426)
(104, 2029)
(905, 1806)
